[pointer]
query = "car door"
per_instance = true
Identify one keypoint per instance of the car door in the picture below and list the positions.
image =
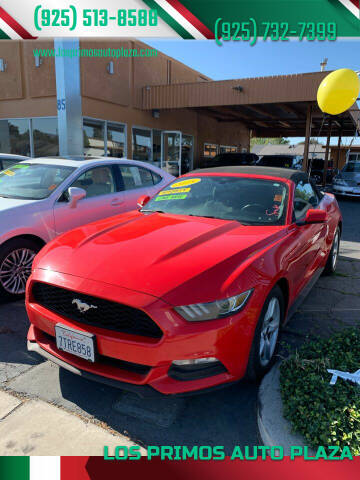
(308, 239)
(103, 199)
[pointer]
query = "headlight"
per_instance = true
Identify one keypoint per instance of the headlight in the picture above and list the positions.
(339, 181)
(213, 310)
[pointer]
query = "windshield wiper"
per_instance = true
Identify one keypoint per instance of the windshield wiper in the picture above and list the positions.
(151, 211)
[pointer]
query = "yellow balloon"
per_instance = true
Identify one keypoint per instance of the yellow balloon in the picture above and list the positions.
(338, 91)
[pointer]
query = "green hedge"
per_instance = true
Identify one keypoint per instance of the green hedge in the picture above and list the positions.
(324, 414)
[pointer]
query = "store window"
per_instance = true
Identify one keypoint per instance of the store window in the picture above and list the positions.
(46, 137)
(157, 148)
(116, 140)
(227, 149)
(210, 149)
(94, 144)
(187, 153)
(15, 136)
(141, 144)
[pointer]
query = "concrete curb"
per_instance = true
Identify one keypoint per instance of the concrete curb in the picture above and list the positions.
(274, 429)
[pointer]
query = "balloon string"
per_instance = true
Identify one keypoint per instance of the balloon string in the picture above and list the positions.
(356, 134)
(315, 144)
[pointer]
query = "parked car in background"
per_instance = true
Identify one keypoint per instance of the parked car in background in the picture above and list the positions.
(347, 181)
(230, 160)
(7, 159)
(281, 161)
(317, 170)
(189, 292)
(43, 197)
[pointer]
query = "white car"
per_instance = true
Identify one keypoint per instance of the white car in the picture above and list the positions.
(44, 197)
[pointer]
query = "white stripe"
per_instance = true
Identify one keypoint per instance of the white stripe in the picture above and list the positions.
(350, 6)
(181, 20)
(44, 468)
(8, 30)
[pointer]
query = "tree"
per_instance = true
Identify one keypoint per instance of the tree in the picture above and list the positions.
(312, 141)
(272, 141)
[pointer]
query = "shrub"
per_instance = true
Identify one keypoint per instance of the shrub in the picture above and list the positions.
(324, 414)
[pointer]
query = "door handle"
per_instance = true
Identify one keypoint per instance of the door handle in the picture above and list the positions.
(116, 202)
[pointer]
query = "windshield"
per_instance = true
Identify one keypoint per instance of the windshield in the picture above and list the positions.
(352, 167)
(32, 181)
(249, 201)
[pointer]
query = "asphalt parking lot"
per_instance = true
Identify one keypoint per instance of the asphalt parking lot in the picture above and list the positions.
(226, 417)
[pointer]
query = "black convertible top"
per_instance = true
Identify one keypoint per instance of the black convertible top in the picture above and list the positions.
(294, 175)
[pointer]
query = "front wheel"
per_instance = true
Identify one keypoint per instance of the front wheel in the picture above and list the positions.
(331, 263)
(16, 258)
(266, 336)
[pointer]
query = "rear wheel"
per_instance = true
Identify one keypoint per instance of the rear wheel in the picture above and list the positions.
(265, 342)
(16, 258)
(331, 263)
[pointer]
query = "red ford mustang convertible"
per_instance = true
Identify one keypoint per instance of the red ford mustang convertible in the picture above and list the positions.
(189, 292)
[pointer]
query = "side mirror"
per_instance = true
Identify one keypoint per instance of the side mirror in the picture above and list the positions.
(315, 216)
(142, 201)
(75, 194)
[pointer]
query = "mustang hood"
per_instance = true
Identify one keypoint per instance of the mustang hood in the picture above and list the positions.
(159, 253)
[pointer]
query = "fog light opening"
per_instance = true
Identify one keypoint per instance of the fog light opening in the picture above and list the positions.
(195, 361)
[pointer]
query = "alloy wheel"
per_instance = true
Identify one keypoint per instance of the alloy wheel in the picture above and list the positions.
(269, 332)
(15, 269)
(335, 251)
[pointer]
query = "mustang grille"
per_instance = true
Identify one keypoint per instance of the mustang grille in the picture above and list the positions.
(96, 311)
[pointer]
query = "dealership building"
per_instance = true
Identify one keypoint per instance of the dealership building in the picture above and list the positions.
(150, 108)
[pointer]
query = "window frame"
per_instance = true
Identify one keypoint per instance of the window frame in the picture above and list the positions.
(139, 167)
(151, 143)
(83, 172)
(106, 122)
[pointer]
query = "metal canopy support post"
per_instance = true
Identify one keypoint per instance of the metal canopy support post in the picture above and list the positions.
(338, 151)
(326, 163)
(68, 91)
(307, 138)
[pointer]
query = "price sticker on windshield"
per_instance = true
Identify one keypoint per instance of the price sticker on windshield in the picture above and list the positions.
(9, 173)
(171, 192)
(185, 183)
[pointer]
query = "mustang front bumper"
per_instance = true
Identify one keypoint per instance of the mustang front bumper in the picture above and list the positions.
(130, 361)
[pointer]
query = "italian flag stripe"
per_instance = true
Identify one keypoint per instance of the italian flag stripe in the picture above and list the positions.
(30, 468)
(180, 19)
(352, 5)
(10, 28)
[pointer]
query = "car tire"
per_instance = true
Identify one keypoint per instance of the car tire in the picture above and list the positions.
(16, 254)
(259, 363)
(331, 262)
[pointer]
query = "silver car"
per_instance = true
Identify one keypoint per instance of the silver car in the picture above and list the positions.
(8, 159)
(347, 181)
(44, 197)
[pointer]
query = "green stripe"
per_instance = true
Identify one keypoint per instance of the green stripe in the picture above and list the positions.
(169, 20)
(15, 468)
(3, 36)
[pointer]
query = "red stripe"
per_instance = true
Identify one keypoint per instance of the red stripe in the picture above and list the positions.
(15, 25)
(356, 3)
(191, 18)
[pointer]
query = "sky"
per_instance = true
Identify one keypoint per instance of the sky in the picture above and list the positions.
(239, 60)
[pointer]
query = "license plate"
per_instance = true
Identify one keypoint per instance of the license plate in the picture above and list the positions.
(81, 344)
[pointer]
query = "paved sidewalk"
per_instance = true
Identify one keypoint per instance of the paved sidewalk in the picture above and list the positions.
(34, 427)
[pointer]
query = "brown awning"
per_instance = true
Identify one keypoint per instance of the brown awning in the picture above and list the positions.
(270, 106)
